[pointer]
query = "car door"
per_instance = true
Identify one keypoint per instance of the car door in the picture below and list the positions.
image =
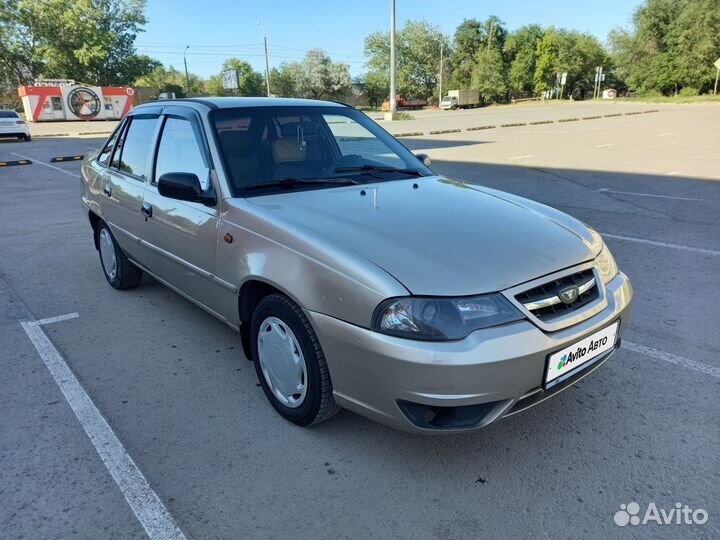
(183, 235)
(123, 181)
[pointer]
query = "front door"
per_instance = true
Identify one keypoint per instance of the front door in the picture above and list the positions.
(183, 235)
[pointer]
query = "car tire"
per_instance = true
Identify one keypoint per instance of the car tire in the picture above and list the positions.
(299, 353)
(117, 268)
(27, 138)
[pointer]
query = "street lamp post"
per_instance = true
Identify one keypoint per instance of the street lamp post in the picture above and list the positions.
(267, 66)
(187, 77)
(393, 101)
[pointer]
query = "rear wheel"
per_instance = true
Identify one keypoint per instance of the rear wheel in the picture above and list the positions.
(119, 271)
(290, 363)
(26, 138)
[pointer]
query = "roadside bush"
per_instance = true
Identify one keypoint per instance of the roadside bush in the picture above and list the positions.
(689, 91)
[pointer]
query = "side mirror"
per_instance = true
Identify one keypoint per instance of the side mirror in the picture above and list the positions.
(424, 159)
(183, 187)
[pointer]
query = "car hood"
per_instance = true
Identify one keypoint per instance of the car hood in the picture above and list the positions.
(439, 236)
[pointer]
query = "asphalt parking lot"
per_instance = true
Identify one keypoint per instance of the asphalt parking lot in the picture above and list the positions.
(183, 402)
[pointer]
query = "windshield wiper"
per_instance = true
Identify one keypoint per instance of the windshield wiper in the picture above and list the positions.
(367, 168)
(292, 182)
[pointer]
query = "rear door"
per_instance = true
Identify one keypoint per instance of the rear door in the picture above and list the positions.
(183, 235)
(123, 181)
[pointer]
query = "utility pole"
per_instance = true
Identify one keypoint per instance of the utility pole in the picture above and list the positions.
(393, 95)
(187, 77)
(267, 65)
(441, 73)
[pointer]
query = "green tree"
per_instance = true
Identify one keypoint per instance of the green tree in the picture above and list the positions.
(417, 53)
(251, 83)
(282, 82)
(520, 50)
(88, 40)
(164, 79)
(672, 44)
(316, 77)
(478, 60)
(377, 87)
(578, 54)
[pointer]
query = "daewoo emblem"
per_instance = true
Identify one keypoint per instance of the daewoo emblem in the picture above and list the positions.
(569, 294)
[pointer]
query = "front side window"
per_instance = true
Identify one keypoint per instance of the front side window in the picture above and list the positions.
(268, 149)
(180, 151)
(133, 150)
(106, 152)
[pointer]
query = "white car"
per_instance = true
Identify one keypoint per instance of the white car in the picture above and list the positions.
(12, 125)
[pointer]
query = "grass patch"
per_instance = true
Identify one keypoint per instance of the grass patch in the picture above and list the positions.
(706, 98)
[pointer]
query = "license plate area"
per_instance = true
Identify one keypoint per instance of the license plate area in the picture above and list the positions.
(566, 362)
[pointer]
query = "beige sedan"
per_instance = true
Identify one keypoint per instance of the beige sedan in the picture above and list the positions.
(356, 277)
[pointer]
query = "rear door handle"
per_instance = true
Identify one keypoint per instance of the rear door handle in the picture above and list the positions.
(107, 190)
(146, 209)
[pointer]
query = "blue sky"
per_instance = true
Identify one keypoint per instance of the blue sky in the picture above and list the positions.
(217, 29)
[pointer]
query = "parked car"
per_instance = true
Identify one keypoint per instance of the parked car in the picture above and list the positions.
(356, 276)
(12, 125)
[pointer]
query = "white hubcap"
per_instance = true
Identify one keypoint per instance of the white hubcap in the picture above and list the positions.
(107, 253)
(282, 362)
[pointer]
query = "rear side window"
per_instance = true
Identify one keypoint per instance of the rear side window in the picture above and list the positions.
(106, 152)
(180, 151)
(8, 114)
(135, 146)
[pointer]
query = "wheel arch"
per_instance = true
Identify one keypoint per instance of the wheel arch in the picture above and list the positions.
(95, 221)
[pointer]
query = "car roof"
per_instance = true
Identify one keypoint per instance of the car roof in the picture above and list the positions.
(235, 102)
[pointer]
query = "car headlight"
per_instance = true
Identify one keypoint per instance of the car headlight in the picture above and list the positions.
(605, 263)
(439, 319)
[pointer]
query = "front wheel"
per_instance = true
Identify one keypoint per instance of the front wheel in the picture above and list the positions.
(290, 363)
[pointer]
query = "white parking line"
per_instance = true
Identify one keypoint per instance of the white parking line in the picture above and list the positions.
(607, 190)
(46, 165)
(144, 502)
(58, 318)
(662, 244)
(521, 157)
(672, 358)
(605, 145)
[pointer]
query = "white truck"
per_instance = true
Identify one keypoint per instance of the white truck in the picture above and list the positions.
(460, 99)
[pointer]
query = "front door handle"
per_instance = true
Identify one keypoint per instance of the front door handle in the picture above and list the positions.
(146, 210)
(107, 190)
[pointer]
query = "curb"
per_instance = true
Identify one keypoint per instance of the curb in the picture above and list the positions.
(408, 134)
(612, 115)
(439, 131)
(540, 122)
(477, 128)
(51, 135)
(591, 117)
(514, 125)
(569, 120)
(14, 163)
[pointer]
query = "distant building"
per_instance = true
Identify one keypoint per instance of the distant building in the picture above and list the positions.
(49, 100)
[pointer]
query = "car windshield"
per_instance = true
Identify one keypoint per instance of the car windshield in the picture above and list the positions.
(271, 149)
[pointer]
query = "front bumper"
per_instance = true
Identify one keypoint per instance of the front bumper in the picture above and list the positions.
(490, 374)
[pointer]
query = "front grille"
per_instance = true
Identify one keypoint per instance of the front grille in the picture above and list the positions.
(552, 289)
